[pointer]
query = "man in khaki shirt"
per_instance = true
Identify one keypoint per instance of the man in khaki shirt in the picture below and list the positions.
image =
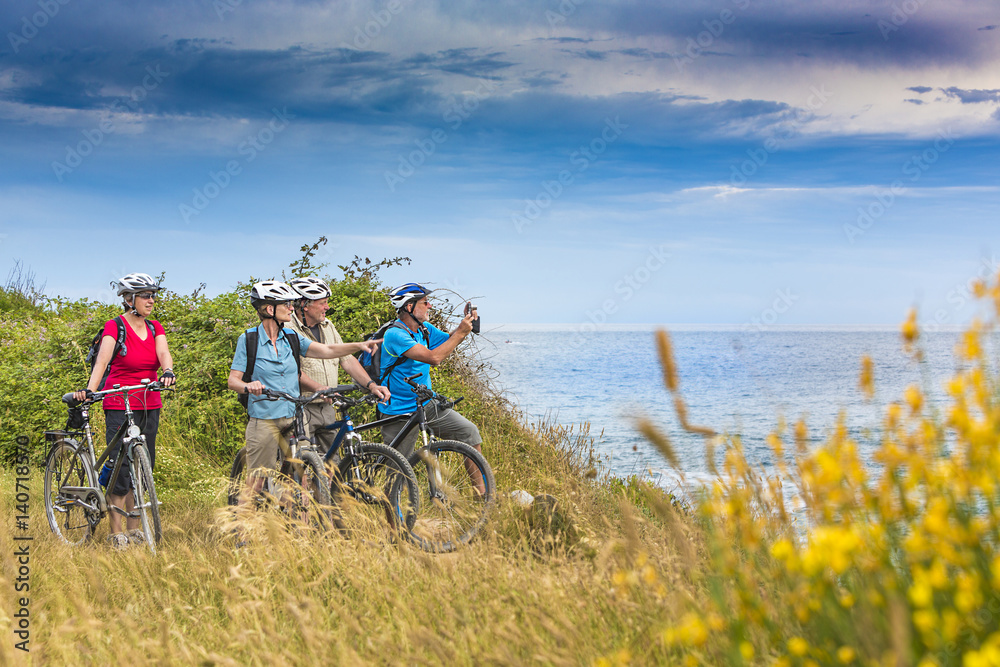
(309, 320)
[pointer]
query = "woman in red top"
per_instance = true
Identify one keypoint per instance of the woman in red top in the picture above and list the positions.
(145, 352)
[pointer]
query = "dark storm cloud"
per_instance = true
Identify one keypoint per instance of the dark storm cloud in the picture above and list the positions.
(207, 79)
(972, 96)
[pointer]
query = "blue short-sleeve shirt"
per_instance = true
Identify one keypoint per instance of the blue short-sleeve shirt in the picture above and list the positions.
(398, 340)
(275, 367)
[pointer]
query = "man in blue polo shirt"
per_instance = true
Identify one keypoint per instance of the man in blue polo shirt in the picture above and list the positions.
(275, 368)
(411, 347)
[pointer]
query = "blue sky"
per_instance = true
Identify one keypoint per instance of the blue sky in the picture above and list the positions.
(731, 161)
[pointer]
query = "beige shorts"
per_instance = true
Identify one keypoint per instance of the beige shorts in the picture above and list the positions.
(264, 440)
(321, 414)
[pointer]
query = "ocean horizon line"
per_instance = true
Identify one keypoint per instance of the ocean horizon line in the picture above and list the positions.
(588, 327)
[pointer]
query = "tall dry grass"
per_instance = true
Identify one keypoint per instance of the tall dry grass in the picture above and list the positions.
(525, 591)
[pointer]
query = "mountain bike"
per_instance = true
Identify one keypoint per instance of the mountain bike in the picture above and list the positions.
(456, 483)
(74, 500)
(379, 479)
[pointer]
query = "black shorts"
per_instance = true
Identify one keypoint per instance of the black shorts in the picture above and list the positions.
(148, 422)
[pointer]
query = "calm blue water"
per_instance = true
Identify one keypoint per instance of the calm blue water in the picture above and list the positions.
(734, 381)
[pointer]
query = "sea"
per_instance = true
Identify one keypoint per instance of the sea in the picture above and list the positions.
(736, 380)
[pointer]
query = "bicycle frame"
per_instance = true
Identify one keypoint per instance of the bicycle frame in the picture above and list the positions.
(345, 426)
(128, 433)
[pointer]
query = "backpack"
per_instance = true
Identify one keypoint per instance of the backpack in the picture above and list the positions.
(120, 349)
(372, 363)
(251, 341)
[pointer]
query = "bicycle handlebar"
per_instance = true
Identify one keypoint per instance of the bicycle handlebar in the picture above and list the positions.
(425, 393)
(332, 392)
(95, 396)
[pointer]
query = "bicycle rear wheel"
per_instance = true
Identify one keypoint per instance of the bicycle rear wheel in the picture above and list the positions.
(68, 519)
(457, 492)
(237, 476)
(145, 496)
(377, 484)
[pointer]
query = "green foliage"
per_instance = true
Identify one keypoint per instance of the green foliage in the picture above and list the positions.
(365, 269)
(44, 346)
(303, 266)
(12, 300)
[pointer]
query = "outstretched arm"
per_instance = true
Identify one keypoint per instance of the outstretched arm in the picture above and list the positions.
(337, 350)
(434, 357)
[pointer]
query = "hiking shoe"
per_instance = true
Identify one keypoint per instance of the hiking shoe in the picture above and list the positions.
(136, 536)
(118, 541)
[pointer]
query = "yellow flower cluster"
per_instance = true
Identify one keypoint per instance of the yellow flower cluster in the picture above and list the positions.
(888, 557)
(641, 575)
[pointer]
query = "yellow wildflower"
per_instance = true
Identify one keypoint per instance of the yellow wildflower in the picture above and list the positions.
(798, 646)
(746, 650)
(909, 328)
(846, 655)
(691, 632)
(921, 594)
(925, 620)
(867, 380)
(914, 398)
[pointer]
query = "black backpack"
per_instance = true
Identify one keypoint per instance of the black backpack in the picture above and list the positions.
(120, 349)
(372, 363)
(251, 341)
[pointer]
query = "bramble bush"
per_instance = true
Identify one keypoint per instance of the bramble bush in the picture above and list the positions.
(44, 342)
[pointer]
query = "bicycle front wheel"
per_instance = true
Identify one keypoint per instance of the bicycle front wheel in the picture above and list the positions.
(68, 518)
(145, 496)
(378, 484)
(457, 492)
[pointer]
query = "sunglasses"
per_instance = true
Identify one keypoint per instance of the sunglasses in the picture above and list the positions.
(146, 295)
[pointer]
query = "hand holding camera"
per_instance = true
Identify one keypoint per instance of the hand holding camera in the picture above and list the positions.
(471, 310)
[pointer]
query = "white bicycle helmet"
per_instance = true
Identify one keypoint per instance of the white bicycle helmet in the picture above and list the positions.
(404, 294)
(137, 282)
(271, 292)
(311, 288)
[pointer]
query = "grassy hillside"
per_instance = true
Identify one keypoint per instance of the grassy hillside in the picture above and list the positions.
(831, 562)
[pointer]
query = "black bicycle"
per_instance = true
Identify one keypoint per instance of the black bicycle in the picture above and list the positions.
(74, 500)
(456, 483)
(376, 480)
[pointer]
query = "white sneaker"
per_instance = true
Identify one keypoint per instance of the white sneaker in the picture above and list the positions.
(118, 541)
(136, 536)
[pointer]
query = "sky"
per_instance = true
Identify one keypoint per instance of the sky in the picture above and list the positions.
(747, 162)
